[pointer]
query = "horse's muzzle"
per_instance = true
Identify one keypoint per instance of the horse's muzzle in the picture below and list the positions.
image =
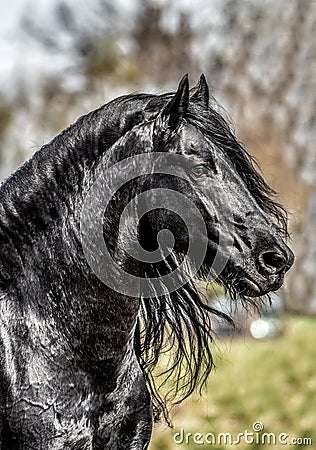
(271, 265)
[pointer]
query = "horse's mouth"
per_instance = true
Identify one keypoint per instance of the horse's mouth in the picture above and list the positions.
(250, 287)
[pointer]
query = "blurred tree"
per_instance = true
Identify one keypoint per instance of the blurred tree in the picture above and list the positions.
(68, 29)
(163, 54)
(6, 113)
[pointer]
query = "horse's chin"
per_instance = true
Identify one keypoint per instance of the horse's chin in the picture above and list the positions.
(247, 285)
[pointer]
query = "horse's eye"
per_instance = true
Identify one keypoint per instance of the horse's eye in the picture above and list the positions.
(199, 171)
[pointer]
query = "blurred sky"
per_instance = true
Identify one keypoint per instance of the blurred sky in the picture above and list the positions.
(21, 55)
(9, 15)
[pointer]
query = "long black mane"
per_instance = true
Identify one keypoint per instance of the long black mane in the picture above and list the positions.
(176, 326)
(176, 334)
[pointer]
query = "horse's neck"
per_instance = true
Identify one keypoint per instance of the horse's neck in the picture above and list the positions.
(43, 261)
(48, 180)
(44, 188)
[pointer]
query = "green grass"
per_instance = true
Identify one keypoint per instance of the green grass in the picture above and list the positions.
(272, 381)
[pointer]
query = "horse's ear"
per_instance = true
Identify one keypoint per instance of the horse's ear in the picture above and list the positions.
(201, 92)
(177, 108)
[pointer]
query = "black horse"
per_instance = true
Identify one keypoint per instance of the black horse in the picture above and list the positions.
(79, 345)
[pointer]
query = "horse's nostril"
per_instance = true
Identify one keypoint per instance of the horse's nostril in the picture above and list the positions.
(272, 261)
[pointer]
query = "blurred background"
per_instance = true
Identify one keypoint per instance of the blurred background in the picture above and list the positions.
(61, 58)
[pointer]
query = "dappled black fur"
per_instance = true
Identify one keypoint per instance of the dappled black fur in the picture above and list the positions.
(95, 346)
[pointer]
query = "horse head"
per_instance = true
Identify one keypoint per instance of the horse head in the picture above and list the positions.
(245, 246)
(180, 198)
